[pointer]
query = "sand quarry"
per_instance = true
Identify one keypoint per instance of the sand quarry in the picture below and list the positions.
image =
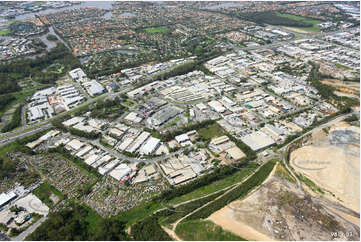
(333, 162)
(278, 210)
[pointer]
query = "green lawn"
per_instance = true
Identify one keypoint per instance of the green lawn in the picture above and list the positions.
(198, 230)
(44, 191)
(138, 213)
(342, 66)
(217, 185)
(211, 131)
(4, 32)
(314, 22)
(157, 30)
(4, 150)
(128, 103)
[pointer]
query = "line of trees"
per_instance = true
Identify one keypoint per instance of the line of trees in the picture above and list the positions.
(240, 191)
(217, 174)
(88, 135)
(5, 100)
(15, 120)
(326, 91)
(149, 230)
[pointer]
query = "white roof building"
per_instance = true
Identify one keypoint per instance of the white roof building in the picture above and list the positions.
(73, 121)
(120, 172)
(115, 132)
(6, 197)
(35, 113)
(150, 146)
(217, 106)
(75, 144)
(94, 88)
(133, 117)
(91, 159)
(77, 74)
(258, 141)
(84, 151)
(104, 169)
(201, 106)
(182, 138)
(138, 142)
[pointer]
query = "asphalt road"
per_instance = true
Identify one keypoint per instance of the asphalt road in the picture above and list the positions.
(31, 229)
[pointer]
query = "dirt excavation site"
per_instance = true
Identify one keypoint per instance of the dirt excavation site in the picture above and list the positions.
(326, 207)
(332, 161)
(279, 210)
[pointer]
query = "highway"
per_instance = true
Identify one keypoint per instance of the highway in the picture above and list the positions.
(30, 129)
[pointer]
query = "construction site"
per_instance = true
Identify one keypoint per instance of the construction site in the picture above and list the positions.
(338, 175)
(280, 211)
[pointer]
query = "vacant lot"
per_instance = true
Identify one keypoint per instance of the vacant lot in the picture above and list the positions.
(4, 32)
(279, 211)
(211, 131)
(48, 194)
(314, 22)
(338, 173)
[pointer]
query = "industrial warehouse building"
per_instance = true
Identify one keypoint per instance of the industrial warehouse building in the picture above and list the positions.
(163, 116)
(258, 141)
(5, 198)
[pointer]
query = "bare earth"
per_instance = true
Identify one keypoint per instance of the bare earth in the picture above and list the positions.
(278, 210)
(344, 88)
(333, 163)
(299, 30)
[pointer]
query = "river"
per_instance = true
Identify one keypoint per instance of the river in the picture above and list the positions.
(225, 5)
(99, 4)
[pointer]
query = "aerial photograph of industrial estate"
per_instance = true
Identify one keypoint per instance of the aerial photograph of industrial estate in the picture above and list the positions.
(180, 120)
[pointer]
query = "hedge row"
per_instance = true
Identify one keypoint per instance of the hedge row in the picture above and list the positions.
(240, 191)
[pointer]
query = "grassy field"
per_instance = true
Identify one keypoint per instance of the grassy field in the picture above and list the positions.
(138, 213)
(211, 131)
(157, 30)
(4, 32)
(342, 66)
(4, 150)
(204, 230)
(128, 103)
(44, 191)
(314, 22)
(217, 185)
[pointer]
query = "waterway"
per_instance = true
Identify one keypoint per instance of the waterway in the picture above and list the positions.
(99, 4)
(225, 5)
